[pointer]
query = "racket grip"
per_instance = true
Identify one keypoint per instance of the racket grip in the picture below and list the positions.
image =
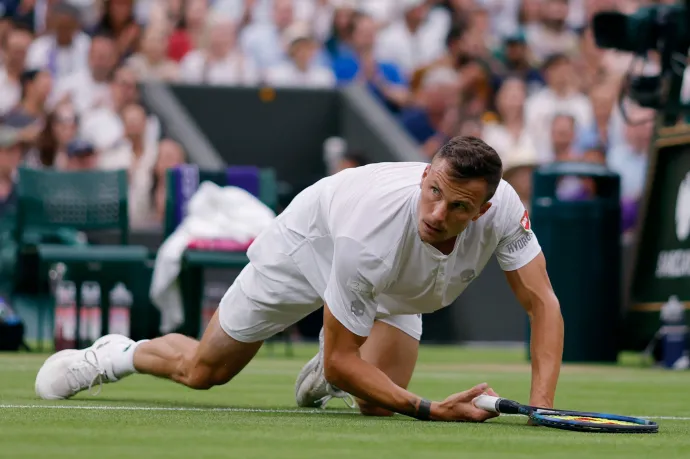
(487, 403)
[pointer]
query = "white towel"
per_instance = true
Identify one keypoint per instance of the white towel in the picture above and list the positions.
(213, 212)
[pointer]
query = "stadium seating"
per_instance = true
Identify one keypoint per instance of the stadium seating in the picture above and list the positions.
(76, 201)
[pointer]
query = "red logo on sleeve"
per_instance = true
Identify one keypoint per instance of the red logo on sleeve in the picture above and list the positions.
(525, 223)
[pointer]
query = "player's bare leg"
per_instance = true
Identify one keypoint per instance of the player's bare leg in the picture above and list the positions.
(395, 353)
(389, 348)
(214, 360)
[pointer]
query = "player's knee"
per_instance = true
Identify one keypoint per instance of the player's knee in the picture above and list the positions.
(199, 376)
(368, 409)
(204, 378)
(198, 379)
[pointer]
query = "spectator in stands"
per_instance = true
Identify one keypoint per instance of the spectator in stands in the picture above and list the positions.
(559, 96)
(152, 62)
(137, 150)
(264, 40)
(103, 124)
(189, 29)
(437, 118)
(10, 158)
(384, 79)
(31, 110)
(64, 50)
(514, 56)
(221, 61)
(529, 13)
(630, 158)
(504, 16)
(460, 10)
(480, 27)
(81, 156)
(302, 70)
(508, 134)
(242, 13)
(603, 98)
(384, 12)
(563, 148)
(31, 13)
(401, 42)
(89, 88)
(563, 137)
(12, 64)
(119, 22)
(551, 34)
(147, 205)
(60, 129)
(339, 43)
(472, 66)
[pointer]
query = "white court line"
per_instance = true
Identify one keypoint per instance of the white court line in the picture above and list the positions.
(235, 410)
(173, 408)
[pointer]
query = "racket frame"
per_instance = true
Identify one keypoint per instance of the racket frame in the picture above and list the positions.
(540, 416)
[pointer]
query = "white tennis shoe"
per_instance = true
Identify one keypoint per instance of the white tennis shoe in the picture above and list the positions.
(312, 390)
(68, 372)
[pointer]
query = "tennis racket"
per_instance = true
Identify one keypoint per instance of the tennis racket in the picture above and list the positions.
(568, 420)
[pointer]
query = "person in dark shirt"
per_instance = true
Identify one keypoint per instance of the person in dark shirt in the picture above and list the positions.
(516, 63)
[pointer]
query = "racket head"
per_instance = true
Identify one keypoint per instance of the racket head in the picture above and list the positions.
(592, 422)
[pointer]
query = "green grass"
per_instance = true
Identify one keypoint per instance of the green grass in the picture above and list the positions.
(199, 430)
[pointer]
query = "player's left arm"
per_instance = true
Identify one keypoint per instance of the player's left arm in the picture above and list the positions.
(532, 287)
(521, 258)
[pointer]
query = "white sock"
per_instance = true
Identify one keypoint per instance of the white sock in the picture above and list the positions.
(123, 359)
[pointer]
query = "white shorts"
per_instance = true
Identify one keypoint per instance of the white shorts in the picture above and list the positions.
(257, 306)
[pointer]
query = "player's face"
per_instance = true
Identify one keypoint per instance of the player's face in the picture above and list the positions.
(447, 206)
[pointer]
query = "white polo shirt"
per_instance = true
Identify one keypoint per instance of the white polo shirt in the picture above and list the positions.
(354, 238)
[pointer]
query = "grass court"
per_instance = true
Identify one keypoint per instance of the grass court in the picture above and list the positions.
(255, 417)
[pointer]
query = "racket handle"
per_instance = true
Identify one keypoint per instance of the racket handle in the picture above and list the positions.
(487, 403)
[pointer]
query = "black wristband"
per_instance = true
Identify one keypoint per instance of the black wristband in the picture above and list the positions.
(424, 410)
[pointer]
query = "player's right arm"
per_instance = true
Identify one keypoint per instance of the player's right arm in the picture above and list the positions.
(345, 369)
(348, 317)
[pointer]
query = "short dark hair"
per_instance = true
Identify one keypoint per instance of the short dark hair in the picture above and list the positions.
(469, 157)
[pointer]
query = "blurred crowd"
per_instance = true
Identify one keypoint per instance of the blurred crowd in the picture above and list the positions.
(525, 75)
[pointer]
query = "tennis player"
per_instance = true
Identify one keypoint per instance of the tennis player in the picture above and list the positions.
(378, 245)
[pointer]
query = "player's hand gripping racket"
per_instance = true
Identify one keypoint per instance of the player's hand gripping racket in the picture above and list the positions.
(568, 420)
